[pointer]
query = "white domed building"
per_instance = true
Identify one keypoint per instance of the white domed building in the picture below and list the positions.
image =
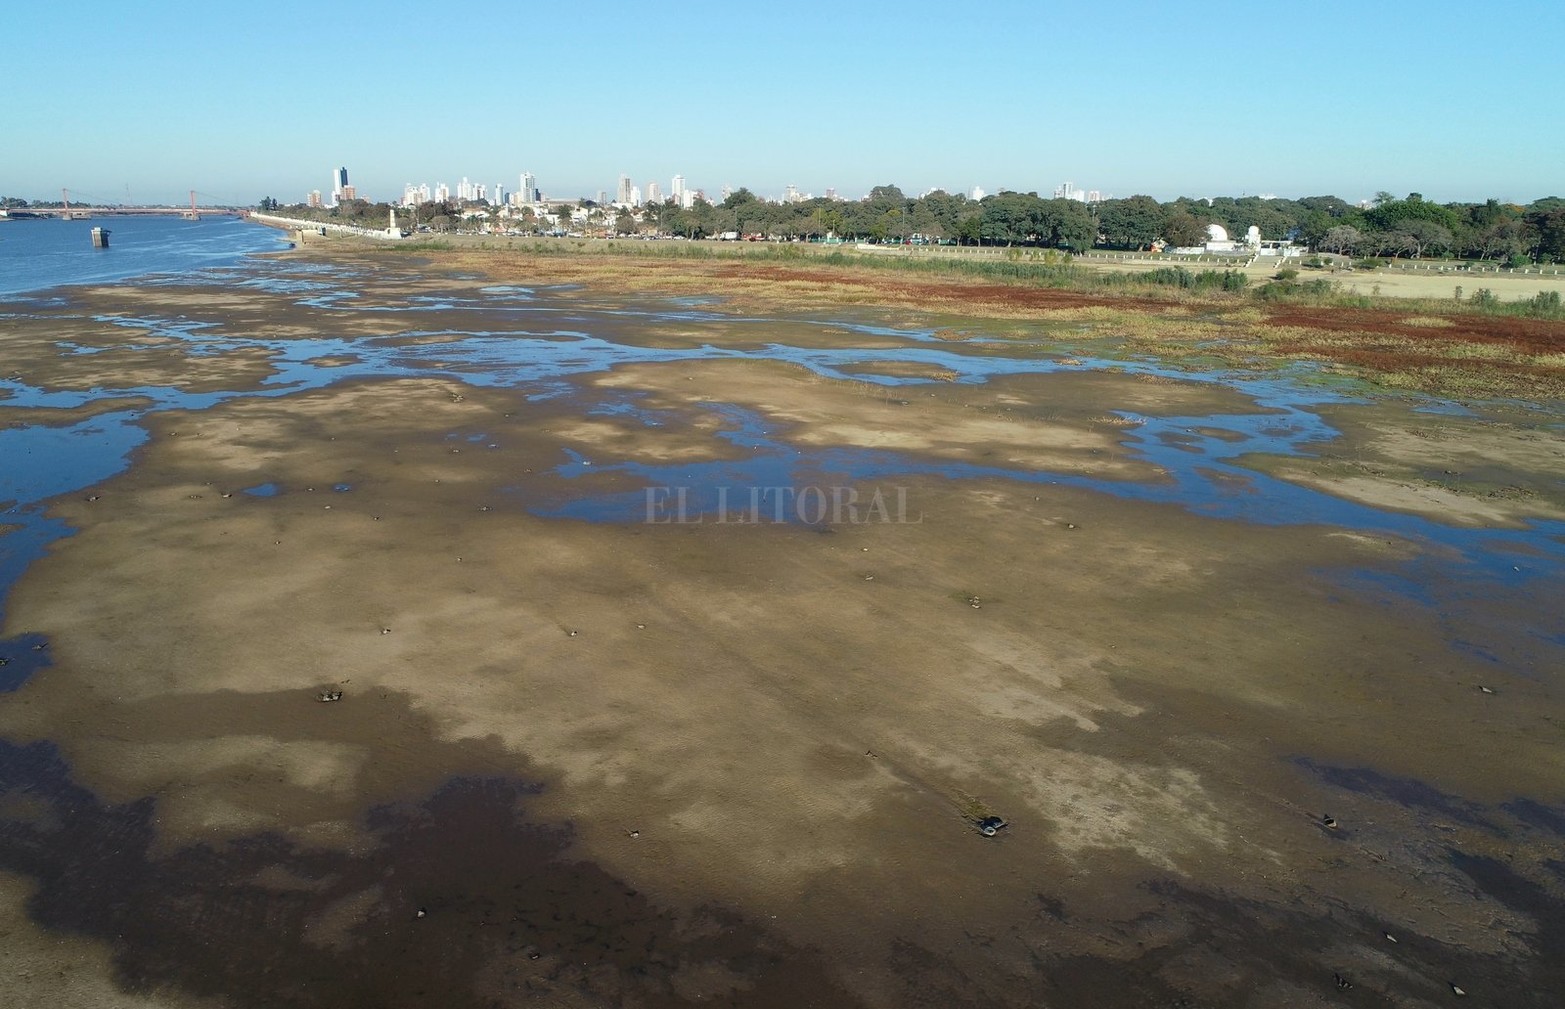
(1217, 239)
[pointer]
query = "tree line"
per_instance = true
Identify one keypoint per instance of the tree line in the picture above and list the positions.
(1411, 226)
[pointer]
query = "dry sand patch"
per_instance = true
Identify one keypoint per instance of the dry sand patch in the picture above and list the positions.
(1500, 468)
(1013, 423)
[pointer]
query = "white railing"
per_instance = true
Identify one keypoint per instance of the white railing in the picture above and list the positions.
(323, 227)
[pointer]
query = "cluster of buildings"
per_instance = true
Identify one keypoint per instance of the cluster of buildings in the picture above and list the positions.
(1068, 191)
(341, 190)
(627, 194)
(468, 191)
(528, 194)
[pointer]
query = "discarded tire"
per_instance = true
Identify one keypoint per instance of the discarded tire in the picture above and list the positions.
(990, 826)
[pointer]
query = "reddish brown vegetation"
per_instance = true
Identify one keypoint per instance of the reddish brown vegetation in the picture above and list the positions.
(1525, 336)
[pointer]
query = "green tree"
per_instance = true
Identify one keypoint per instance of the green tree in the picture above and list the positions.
(738, 198)
(826, 220)
(1423, 236)
(1389, 215)
(940, 213)
(1182, 229)
(676, 220)
(1011, 218)
(1549, 228)
(706, 220)
(1489, 213)
(1314, 226)
(1274, 222)
(1070, 225)
(1501, 240)
(1132, 223)
(1331, 206)
(969, 230)
(752, 216)
(1344, 238)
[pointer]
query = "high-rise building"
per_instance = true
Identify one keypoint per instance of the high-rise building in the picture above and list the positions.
(442, 193)
(314, 198)
(339, 181)
(529, 188)
(622, 195)
(498, 199)
(635, 196)
(654, 193)
(678, 190)
(348, 193)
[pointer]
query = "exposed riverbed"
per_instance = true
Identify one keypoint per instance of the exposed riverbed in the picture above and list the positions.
(645, 701)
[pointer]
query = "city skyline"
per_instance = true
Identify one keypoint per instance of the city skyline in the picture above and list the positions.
(1137, 97)
(628, 193)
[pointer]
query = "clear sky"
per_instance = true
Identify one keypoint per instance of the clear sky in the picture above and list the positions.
(148, 99)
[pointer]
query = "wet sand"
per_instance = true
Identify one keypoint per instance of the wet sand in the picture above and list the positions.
(675, 763)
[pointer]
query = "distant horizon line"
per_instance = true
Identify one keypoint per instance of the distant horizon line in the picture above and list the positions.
(182, 202)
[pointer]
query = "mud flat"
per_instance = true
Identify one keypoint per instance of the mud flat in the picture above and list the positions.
(1254, 726)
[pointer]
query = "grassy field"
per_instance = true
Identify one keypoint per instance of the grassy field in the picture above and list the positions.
(1357, 288)
(1417, 340)
(1507, 287)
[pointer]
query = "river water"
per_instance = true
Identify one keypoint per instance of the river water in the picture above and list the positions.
(39, 254)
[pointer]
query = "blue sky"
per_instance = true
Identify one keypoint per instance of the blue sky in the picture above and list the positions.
(1201, 97)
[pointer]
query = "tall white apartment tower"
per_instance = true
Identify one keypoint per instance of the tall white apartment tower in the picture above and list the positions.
(529, 188)
(678, 191)
(339, 182)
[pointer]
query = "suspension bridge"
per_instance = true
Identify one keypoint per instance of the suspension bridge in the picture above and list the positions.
(85, 207)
